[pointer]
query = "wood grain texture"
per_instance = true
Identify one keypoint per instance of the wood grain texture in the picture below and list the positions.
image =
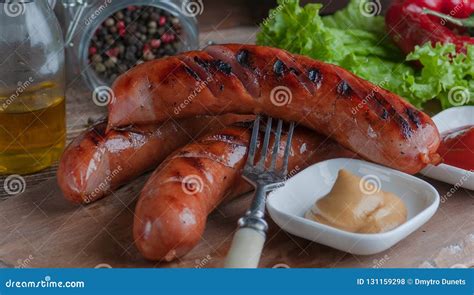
(44, 230)
(41, 229)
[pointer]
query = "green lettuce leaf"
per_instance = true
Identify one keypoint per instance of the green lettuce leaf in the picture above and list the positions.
(352, 18)
(445, 75)
(358, 42)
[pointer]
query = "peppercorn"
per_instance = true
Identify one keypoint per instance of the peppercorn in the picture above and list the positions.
(148, 55)
(110, 22)
(119, 15)
(96, 58)
(175, 21)
(155, 43)
(162, 21)
(131, 36)
(155, 16)
(152, 24)
(99, 68)
(92, 50)
(143, 29)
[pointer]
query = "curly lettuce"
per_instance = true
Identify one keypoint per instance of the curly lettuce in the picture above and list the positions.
(446, 76)
(358, 42)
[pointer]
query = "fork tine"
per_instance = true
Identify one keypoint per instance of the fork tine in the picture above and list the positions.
(288, 149)
(253, 141)
(276, 145)
(266, 141)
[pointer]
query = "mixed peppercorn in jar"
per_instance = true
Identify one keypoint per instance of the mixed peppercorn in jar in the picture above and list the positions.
(113, 36)
(132, 36)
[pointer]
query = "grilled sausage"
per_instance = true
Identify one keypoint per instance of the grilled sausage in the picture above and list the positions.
(171, 213)
(96, 163)
(373, 122)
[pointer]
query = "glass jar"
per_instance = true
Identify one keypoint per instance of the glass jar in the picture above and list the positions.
(84, 18)
(32, 87)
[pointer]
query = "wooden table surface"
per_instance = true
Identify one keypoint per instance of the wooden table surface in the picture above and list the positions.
(40, 229)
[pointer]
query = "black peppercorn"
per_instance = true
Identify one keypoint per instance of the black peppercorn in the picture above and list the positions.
(131, 36)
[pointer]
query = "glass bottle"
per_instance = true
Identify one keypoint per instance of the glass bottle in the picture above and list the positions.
(32, 87)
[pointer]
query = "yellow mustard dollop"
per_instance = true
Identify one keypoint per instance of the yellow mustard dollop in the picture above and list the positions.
(350, 208)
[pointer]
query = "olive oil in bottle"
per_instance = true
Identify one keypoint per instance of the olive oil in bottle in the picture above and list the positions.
(32, 128)
(32, 87)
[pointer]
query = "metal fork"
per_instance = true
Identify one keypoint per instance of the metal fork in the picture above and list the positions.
(249, 239)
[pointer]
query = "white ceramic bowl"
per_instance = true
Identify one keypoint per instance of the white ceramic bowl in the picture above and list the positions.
(288, 205)
(447, 120)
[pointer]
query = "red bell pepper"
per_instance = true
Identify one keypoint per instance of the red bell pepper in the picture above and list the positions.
(416, 22)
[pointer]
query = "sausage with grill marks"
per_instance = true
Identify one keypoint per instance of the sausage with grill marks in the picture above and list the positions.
(96, 162)
(174, 204)
(373, 122)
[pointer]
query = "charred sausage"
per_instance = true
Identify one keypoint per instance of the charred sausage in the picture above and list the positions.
(96, 162)
(373, 122)
(172, 210)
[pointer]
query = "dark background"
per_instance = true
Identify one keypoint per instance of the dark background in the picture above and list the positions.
(231, 13)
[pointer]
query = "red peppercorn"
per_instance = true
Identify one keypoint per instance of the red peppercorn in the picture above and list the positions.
(92, 50)
(162, 21)
(155, 43)
(121, 25)
(166, 38)
(112, 52)
(122, 32)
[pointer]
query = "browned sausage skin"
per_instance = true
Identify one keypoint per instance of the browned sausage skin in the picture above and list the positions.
(96, 162)
(171, 213)
(378, 125)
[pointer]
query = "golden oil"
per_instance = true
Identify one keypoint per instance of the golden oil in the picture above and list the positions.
(32, 128)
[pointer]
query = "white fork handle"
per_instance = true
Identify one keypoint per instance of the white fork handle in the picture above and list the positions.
(246, 249)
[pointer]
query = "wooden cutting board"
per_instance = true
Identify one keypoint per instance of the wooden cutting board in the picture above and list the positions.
(40, 229)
